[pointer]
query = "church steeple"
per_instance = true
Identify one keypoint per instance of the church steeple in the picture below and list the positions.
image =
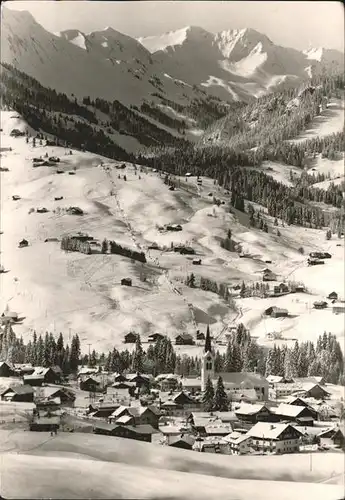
(208, 347)
(207, 366)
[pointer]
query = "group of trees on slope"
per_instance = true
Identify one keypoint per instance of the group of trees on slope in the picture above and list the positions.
(289, 203)
(54, 113)
(129, 122)
(325, 358)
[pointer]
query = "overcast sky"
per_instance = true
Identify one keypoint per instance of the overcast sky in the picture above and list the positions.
(293, 24)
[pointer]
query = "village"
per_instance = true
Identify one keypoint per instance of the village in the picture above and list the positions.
(238, 413)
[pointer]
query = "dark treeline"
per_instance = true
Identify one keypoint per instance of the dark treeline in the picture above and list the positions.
(152, 110)
(242, 354)
(287, 203)
(129, 122)
(75, 245)
(274, 118)
(56, 114)
(297, 154)
(109, 246)
(48, 111)
(204, 109)
(305, 359)
(16, 84)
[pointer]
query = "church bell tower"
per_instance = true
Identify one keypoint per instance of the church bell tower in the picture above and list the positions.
(207, 366)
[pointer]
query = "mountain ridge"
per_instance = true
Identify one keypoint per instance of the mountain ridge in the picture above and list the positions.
(230, 65)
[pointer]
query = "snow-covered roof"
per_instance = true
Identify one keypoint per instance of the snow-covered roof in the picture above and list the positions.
(236, 437)
(266, 430)
(249, 409)
(288, 410)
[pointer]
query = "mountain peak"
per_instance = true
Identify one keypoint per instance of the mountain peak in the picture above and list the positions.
(239, 42)
(175, 38)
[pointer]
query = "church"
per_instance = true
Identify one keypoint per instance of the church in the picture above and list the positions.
(235, 383)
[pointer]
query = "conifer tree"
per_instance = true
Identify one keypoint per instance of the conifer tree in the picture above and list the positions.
(228, 358)
(220, 397)
(105, 246)
(138, 356)
(74, 354)
(208, 396)
(60, 349)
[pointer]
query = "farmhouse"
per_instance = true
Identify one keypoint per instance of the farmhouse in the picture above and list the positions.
(6, 370)
(102, 410)
(276, 312)
(130, 338)
(252, 413)
(23, 243)
(126, 282)
(89, 384)
(19, 394)
(315, 391)
(312, 261)
(275, 438)
(280, 289)
(42, 375)
(139, 433)
(301, 415)
(333, 296)
(320, 304)
(74, 210)
(184, 339)
(64, 394)
(50, 405)
(268, 276)
(45, 424)
(138, 379)
(239, 443)
(154, 337)
(191, 384)
(183, 442)
(136, 415)
(16, 133)
(333, 436)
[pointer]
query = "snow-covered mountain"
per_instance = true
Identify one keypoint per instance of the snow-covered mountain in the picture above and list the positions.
(230, 65)
(326, 57)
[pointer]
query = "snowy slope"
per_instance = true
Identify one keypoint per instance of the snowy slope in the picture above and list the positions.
(58, 291)
(50, 467)
(328, 57)
(57, 63)
(164, 41)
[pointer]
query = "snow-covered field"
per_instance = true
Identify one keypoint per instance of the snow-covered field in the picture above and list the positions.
(329, 122)
(73, 292)
(104, 465)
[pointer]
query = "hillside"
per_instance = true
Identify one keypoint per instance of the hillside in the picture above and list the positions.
(161, 472)
(58, 291)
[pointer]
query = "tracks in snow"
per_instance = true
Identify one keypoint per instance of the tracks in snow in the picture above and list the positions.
(154, 260)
